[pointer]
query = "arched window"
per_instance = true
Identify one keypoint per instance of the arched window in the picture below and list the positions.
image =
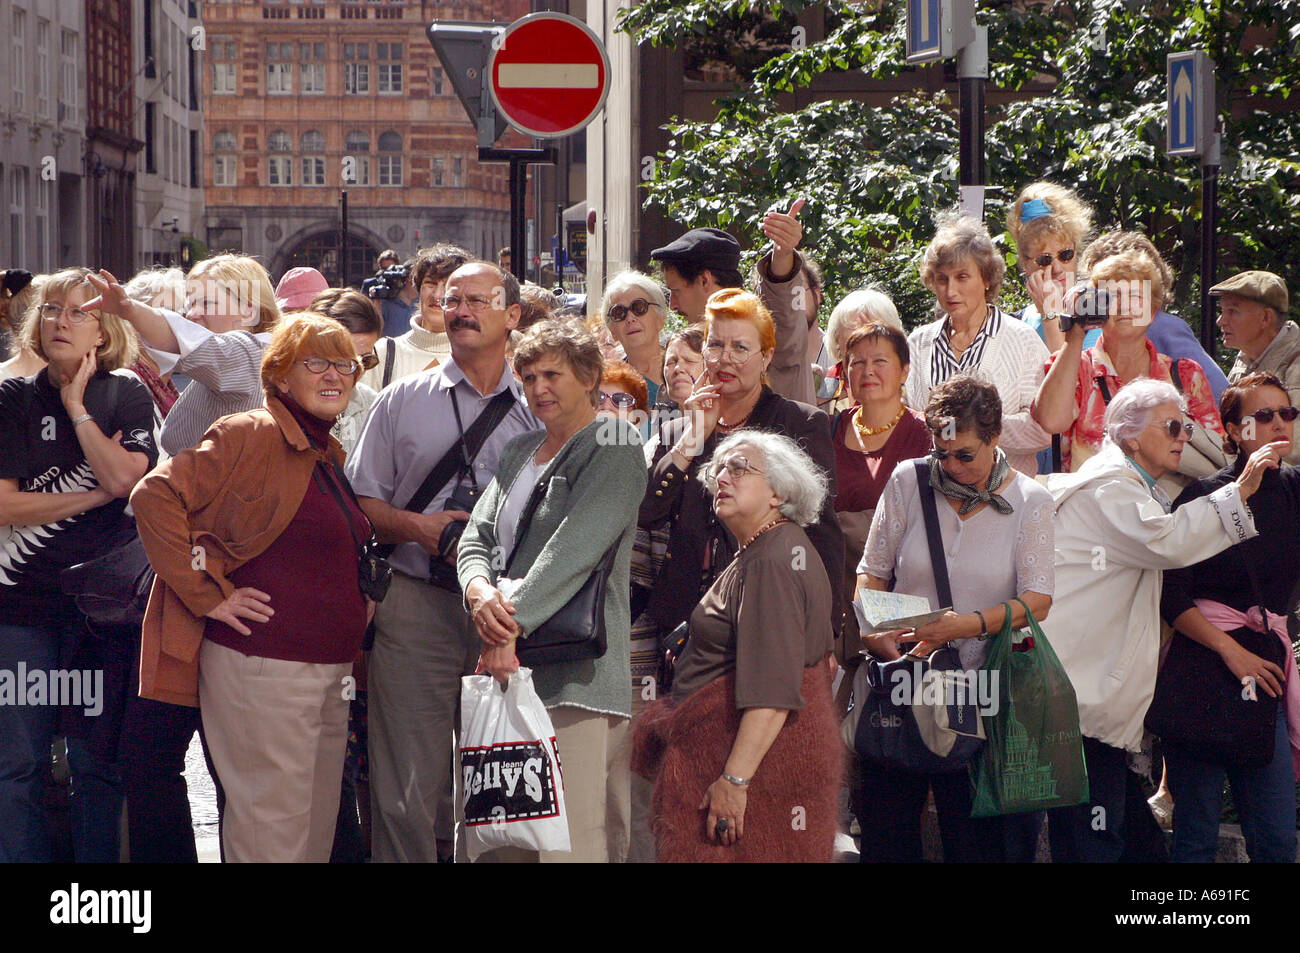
(356, 158)
(357, 141)
(390, 141)
(279, 141)
(313, 141)
(223, 142)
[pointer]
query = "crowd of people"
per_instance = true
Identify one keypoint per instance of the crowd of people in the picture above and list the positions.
(292, 517)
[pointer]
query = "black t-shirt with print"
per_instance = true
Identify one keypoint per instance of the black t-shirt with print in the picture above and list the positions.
(39, 449)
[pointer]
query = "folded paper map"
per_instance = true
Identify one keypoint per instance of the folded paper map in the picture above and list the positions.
(884, 611)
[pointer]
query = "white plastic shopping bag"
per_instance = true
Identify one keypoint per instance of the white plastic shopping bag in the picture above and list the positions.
(512, 786)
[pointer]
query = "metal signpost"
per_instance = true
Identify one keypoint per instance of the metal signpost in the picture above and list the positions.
(1191, 134)
(546, 74)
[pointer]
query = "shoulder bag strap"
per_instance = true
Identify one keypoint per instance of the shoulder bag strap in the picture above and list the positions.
(1103, 387)
(932, 534)
(321, 478)
(390, 357)
(534, 501)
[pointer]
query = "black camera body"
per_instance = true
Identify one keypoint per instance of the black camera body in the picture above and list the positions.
(1091, 309)
(374, 572)
(389, 282)
(441, 573)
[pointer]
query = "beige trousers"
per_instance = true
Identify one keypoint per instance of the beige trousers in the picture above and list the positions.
(277, 732)
(595, 758)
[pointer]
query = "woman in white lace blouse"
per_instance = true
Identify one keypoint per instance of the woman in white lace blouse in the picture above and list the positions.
(973, 335)
(997, 530)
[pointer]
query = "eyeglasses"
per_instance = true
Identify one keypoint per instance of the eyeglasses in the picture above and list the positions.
(477, 303)
(51, 312)
(1064, 255)
(1265, 414)
(739, 354)
(964, 455)
(737, 465)
(619, 312)
(1173, 427)
(626, 401)
(369, 361)
(319, 365)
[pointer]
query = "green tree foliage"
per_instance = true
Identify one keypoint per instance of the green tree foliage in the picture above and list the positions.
(876, 178)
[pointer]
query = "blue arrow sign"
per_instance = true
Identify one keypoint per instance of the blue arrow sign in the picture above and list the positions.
(923, 27)
(1183, 133)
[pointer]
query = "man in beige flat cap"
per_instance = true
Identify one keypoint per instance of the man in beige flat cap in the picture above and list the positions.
(1253, 319)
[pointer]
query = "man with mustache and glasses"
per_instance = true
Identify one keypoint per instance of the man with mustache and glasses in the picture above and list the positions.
(410, 454)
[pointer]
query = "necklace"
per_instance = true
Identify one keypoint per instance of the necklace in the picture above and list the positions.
(759, 532)
(865, 432)
(723, 425)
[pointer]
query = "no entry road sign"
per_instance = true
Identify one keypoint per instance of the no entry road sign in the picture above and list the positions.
(549, 74)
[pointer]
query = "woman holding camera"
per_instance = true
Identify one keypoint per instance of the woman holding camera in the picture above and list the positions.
(1079, 384)
(258, 610)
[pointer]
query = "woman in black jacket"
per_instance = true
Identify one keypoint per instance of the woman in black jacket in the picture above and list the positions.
(740, 338)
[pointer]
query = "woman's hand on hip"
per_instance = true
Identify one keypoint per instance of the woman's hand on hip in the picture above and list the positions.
(499, 661)
(246, 603)
(725, 800)
(491, 612)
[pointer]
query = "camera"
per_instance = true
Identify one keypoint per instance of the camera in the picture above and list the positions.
(1091, 308)
(441, 573)
(389, 282)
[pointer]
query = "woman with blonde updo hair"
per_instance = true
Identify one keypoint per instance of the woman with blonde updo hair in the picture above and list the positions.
(1049, 224)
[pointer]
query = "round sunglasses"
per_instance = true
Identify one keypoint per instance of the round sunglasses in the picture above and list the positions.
(1174, 427)
(1064, 255)
(964, 455)
(619, 312)
(625, 401)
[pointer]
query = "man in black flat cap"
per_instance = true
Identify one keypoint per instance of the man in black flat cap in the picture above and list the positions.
(705, 260)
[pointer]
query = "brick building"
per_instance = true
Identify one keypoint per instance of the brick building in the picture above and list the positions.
(305, 98)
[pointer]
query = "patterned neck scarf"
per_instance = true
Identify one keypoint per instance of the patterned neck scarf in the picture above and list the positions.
(969, 497)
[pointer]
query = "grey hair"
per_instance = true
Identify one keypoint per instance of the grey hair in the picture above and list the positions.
(152, 282)
(1129, 413)
(791, 473)
(856, 308)
(633, 280)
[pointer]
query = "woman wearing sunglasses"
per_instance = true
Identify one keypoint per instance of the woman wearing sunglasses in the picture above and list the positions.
(1207, 601)
(996, 529)
(1080, 383)
(1049, 224)
(1115, 537)
(257, 612)
(634, 309)
(747, 734)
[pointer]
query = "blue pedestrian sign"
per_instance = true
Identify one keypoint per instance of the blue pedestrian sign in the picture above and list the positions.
(938, 29)
(1191, 111)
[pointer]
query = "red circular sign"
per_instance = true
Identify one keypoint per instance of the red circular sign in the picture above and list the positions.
(549, 74)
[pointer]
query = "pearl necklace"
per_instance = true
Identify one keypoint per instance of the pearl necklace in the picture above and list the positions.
(723, 425)
(865, 432)
(759, 532)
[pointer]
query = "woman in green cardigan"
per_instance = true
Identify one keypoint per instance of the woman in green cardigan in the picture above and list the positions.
(591, 475)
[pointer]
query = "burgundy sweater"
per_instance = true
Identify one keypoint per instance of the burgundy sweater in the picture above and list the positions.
(310, 573)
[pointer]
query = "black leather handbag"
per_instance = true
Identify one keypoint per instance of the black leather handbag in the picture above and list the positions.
(112, 589)
(577, 631)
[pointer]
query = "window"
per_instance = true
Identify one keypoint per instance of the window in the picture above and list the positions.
(41, 259)
(389, 67)
(356, 159)
(68, 84)
(18, 72)
(390, 158)
(313, 166)
(435, 75)
(279, 141)
(311, 67)
(356, 71)
(224, 54)
(223, 142)
(279, 69)
(17, 209)
(43, 68)
(223, 171)
(438, 166)
(457, 171)
(279, 170)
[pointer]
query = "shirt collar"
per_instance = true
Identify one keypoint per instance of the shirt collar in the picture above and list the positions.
(453, 376)
(1103, 361)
